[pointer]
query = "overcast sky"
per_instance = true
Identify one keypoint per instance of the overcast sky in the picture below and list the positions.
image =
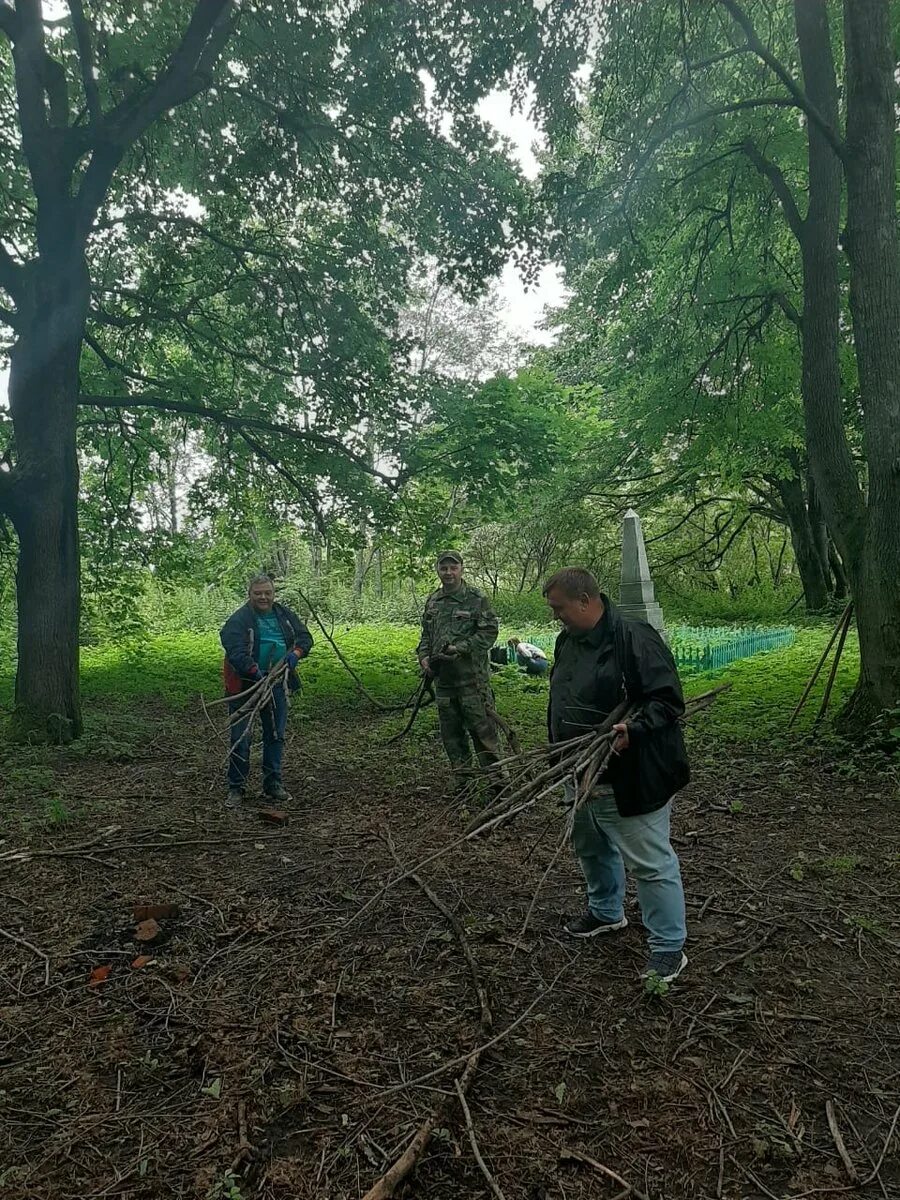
(524, 309)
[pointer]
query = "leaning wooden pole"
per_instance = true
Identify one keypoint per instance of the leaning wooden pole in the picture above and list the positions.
(844, 618)
(823, 707)
(348, 668)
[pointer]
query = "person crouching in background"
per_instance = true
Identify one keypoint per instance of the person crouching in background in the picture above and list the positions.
(531, 658)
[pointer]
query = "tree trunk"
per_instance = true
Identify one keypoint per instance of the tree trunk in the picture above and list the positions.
(873, 250)
(838, 574)
(830, 460)
(43, 502)
(818, 528)
(360, 571)
(315, 555)
(813, 576)
(172, 464)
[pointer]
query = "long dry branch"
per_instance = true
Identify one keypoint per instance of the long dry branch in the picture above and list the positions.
(20, 941)
(349, 669)
(388, 1183)
(580, 761)
(517, 796)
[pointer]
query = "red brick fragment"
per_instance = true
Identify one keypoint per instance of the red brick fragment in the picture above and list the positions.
(155, 912)
(272, 816)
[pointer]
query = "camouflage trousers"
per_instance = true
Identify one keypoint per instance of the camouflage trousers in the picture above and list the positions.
(464, 722)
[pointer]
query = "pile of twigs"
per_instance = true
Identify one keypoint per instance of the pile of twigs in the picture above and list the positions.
(526, 778)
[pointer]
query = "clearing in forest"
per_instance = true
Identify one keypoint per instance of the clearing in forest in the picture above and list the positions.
(255, 1037)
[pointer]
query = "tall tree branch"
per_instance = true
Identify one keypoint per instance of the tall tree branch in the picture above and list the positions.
(239, 422)
(800, 98)
(188, 72)
(115, 367)
(788, 308)
(28, 58)
(775, 176)
(302, 490)
(84, 41)
(700, 118)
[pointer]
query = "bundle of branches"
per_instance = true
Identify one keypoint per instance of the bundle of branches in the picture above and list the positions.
(526, 778)
(255, 698)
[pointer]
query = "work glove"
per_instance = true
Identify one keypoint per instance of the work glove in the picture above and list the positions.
(293, 658)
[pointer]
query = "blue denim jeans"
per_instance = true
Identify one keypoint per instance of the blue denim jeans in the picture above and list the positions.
(273, 719)
(534, 666)
(606, 843)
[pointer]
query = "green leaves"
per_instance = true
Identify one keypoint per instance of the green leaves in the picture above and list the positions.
(253, 250)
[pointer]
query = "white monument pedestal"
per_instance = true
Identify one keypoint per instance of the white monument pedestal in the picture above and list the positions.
(637, 598)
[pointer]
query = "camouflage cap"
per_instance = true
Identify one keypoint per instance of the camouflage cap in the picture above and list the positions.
(449, 556)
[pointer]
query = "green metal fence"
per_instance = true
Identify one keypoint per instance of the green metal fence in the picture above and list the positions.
(697, 649)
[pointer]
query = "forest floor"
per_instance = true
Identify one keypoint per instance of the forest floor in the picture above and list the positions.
(273, 1040)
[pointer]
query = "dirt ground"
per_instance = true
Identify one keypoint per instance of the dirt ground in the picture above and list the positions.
(275, 1043)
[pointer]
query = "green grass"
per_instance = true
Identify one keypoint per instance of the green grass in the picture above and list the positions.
(762, 694)
(172, 671)
(178, 667)
(766, 688)
(141, 697)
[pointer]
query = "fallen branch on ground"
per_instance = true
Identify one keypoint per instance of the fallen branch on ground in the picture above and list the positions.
(470, 1129)
(20, 941)
(840, 1145)
(580, 1157)
(84, 851)
(387, 1185)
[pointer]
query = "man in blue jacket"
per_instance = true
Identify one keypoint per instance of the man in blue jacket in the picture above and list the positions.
(256, 638)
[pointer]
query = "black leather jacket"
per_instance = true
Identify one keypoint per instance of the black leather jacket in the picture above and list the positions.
(592, 673)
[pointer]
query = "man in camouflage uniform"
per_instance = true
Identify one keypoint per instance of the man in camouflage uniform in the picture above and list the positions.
(458, 630)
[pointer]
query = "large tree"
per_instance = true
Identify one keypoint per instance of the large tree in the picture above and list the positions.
(132, 136)
(731, 93)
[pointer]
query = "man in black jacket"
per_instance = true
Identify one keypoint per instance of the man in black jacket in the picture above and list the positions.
(600, 659)
(257, 638)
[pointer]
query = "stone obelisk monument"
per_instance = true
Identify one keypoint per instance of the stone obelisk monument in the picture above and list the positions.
(636, 595)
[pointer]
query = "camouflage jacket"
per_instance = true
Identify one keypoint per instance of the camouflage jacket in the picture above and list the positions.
(463, 618)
